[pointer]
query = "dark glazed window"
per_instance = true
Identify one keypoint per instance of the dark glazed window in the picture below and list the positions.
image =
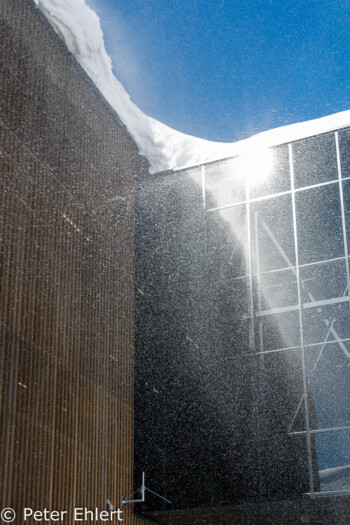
(278, 331)
(279, 178)
(315, 160)
(333, 456)
(327, 323)
(227, 242)
(278, 289)
(280, 384)
(272, 236)
(344, 147)
(323, 281)
(328, 373)
(346, 193)
(319, 224)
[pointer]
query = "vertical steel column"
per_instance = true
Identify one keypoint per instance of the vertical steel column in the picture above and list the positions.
(341, 193)
(250, 273)
(254, 427)
(307, 425)
(257, 248)
(261, 375)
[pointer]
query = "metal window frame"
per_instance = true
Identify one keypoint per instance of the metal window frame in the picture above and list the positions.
(300, 307)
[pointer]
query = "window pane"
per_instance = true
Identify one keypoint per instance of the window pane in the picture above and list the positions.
(276, 289)
(346, 194)
(280, 388)
(323, 281)
(223, 184)
(315, 160)
(226, 316)
(328, 323)
(344, 146)
(227, 242)
(319, 224)
(328, 373)
(279, 178)
(278, 331)
(271, 225)
(333, 456)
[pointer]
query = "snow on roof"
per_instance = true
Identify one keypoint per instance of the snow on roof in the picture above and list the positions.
(166, 149)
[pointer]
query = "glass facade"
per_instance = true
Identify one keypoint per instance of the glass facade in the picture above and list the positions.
(292, 228)
(242, 360)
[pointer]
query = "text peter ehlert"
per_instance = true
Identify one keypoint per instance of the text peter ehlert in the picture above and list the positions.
(82, 514)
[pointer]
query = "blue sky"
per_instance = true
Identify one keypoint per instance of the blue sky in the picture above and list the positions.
(224, 70)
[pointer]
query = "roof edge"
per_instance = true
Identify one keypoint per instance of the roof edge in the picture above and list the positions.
(283, 135)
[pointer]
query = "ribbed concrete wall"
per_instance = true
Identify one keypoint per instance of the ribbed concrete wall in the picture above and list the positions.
(67, 278)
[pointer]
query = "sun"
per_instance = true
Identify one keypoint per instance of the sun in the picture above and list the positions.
(255, 165)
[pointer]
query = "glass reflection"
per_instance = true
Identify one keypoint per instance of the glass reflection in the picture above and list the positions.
(280, 377)
(346, 194)
(302, 357)
(278, 331)
(344, 147)
(333, 455)
(319, 224)
(277, 289)
(327, 323)
(278, 179)
(328, 372)
(315, 160)
(255, 166)
(272, 235)
(323, 281)
(224, 184)
(228, 242)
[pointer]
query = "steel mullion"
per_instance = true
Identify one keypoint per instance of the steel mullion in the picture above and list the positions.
(250, 272)
(315, 263)
(321, 430)
(309, 345)
(341, 193)
(275, 195)
(307, 423)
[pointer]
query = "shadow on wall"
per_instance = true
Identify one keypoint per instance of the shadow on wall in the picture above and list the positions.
(211, 418)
